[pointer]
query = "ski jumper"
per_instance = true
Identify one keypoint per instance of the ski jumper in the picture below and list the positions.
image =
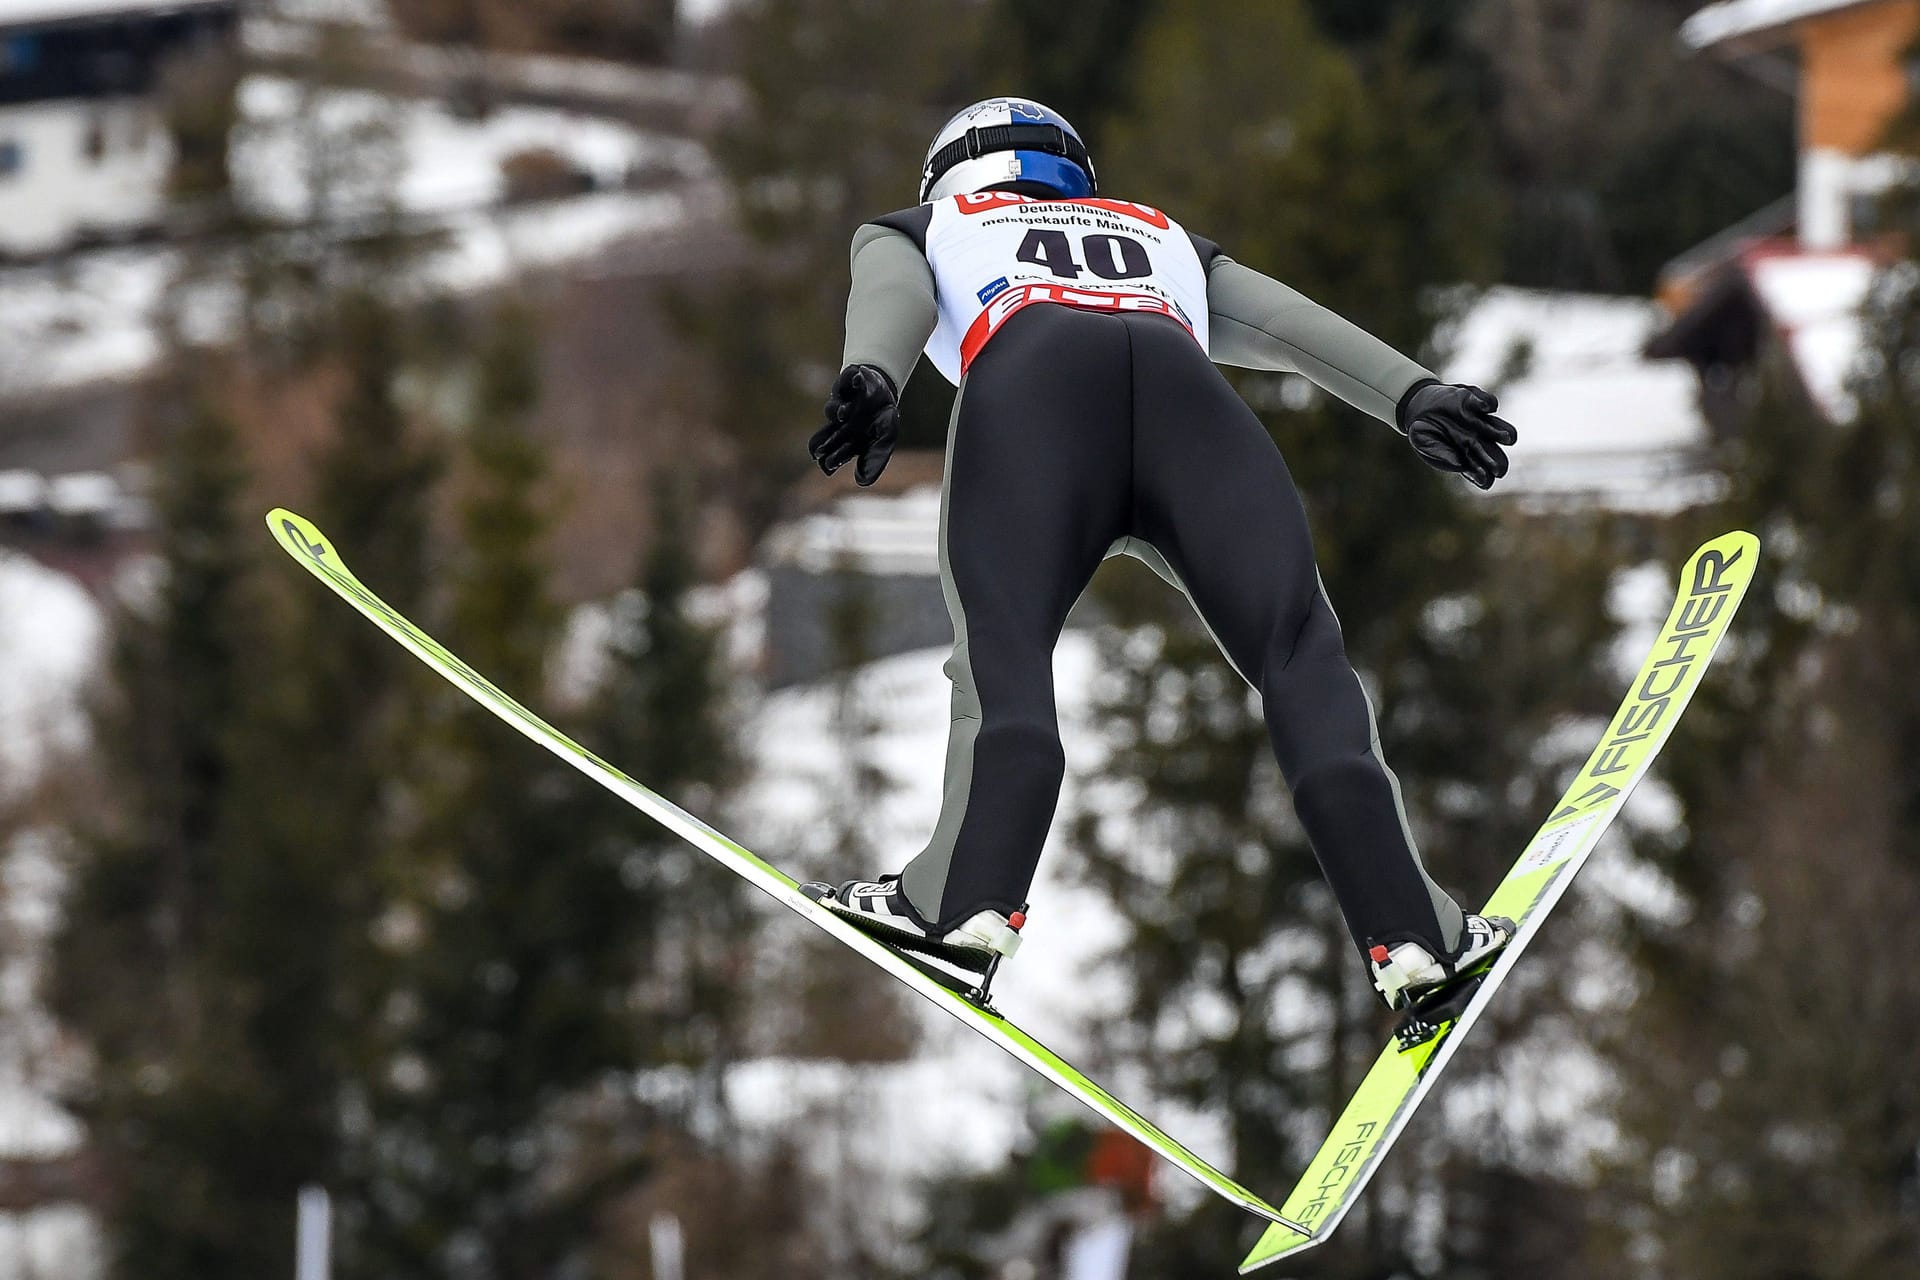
(1091, 421)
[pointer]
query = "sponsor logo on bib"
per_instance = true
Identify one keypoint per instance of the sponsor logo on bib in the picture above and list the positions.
(989, 201)
(1012, 300)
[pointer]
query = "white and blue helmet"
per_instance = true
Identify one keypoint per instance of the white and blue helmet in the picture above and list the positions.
(1007, 140)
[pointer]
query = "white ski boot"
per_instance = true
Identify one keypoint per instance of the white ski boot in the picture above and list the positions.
(1408, 974)
(880, 908)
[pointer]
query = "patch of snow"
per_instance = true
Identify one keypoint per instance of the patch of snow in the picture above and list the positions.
(84, 321)
(95, 318)
(51, 633)
(84, 493)
(1596, 417)
(489, 247)
(32, 1127)
(372, 14)
(1635, 885)
(698, 13)
(1734, 18)
(20, 13)
(881, 535)
(801, 776)
(22, 491)
(1556, 1130)
(1637, 600)
(53, 1240)
(441, 163)
(1815, 299)
(735, 610)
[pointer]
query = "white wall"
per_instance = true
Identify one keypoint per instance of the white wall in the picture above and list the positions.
(79, 167)
(1833, 188)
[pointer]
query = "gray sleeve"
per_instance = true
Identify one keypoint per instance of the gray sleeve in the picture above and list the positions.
(890, 310)
(1258, 323)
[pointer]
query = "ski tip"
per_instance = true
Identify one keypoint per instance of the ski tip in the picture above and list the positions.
(300, 536)
(1734, 542)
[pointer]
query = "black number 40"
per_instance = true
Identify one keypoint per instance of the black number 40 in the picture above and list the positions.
(1107, 256)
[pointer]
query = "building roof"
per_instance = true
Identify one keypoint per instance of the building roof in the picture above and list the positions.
(1598, 420)
(1810, 301)
(1736, 19)
(27, 13)
(1814, 301)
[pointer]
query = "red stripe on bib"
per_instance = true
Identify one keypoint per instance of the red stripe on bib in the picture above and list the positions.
(1001, 308)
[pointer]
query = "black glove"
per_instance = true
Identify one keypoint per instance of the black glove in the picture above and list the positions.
(863, 421)
(1454, 429)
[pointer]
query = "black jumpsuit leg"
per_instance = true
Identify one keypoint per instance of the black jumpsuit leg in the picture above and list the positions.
(1215, 499)
(1072, 431)
(1036, 491)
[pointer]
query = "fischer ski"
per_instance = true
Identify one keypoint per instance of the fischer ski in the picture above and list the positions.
(1712, 585)
(307, 544)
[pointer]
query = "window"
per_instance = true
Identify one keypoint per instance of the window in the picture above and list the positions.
(12, 158)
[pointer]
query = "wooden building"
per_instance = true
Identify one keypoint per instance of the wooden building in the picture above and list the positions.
(1787, 282)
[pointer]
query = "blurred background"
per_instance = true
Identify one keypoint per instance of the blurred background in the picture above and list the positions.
(532, 307)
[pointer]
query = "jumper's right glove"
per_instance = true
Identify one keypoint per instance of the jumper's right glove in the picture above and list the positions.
(863, 421)
(1453, 429)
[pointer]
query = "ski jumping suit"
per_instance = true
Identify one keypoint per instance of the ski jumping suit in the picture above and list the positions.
(1091, 421)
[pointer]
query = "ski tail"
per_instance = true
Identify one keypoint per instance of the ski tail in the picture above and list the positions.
(1712, 584)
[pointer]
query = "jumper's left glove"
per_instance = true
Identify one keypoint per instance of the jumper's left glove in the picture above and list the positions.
(863, 421)
(1453, 429)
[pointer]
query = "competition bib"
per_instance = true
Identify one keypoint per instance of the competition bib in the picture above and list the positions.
(996, 253)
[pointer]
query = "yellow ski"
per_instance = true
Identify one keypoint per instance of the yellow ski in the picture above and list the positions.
(306, 544)
(1711, 587)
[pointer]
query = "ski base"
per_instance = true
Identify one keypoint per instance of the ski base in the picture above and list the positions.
(1712, 584)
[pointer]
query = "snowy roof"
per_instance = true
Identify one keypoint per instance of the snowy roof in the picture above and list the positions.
(1732, 19)
(1596, 417)
(20, 13)
(1814, 299)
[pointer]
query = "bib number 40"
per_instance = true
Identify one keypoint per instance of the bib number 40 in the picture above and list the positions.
(1110, 257)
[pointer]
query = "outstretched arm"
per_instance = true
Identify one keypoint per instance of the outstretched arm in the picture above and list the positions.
(1258, 323)
(890, 315)
(890, 310)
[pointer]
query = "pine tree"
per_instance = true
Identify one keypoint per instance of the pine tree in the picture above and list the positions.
(508, 952)
(666, 711)
(211, 957)
(329, 750)
(663, 712)
(175, 1088)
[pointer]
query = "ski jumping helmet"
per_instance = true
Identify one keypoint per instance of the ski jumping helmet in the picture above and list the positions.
(1007, 140)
